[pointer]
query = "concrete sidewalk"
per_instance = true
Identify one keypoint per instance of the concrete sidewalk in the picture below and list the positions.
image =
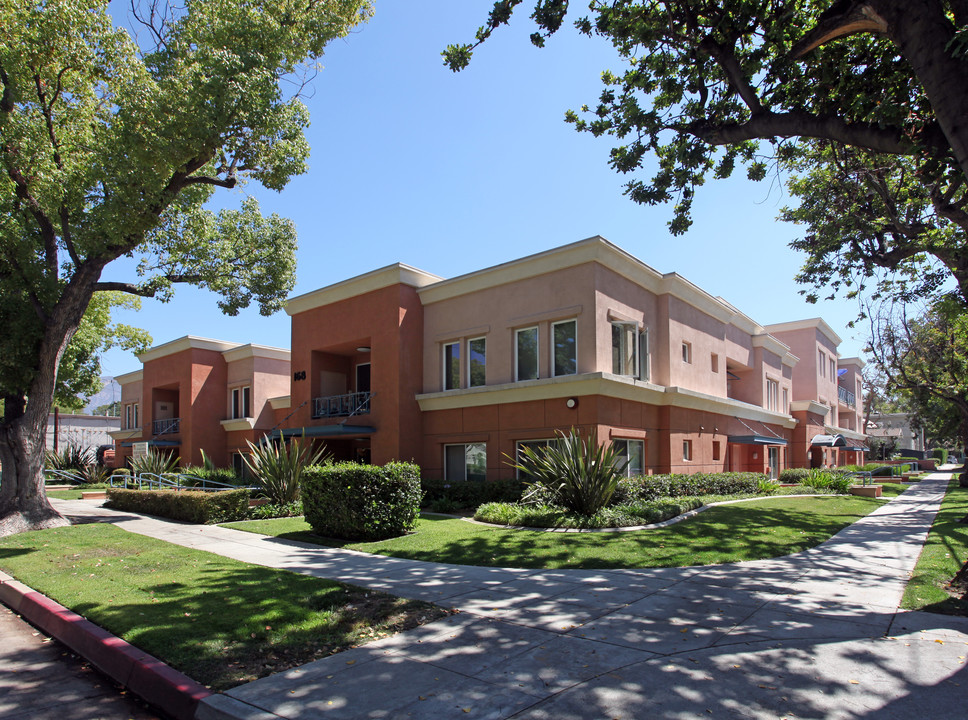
(815, 634)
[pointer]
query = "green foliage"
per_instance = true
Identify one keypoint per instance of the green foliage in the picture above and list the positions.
(192, 506)
(704, 88)
(575, 472)
(361, 502)
(72, 457)
(827, 480)
(274, 510)
(223, 476)
(438, 494)
(794, 475)
(941, 455)
(643, 512)
(155, 463)
(766, 486)
(653, 487)
(278, 467)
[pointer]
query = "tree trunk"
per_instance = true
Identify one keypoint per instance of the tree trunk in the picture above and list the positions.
(23, 501)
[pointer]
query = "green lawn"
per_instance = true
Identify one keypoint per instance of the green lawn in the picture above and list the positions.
(944, 553)
(764, 528)
(220, 621)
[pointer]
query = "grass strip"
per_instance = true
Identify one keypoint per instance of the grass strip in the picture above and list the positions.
(943, 555)
(219, 621)
(753, 530)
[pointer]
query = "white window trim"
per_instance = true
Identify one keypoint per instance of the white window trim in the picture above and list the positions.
(640, 443)
(687, 453)
(630, 329)
(687, 352)
(468, 369)
(645, 363)
(537, 349)
(552, 340)
(239, 391)
(444, 364)
(772, 398)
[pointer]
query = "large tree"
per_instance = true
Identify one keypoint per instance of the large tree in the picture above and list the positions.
(863, 99)
(924, 355)
(110, 144)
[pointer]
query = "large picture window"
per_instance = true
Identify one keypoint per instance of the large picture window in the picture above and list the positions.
(634, 452)
(526, 354)
(465, 462)
(476, 362)
(625, 343)
(564, 347)
(451, 366)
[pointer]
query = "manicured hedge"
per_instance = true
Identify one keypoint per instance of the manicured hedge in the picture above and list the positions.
(653, 487)
(361, 502)
(470, 493)
(793, 475)
(224, 476)
(193, 506)
(941, 455)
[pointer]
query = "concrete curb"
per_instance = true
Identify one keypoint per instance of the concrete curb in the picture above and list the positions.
(146, 676)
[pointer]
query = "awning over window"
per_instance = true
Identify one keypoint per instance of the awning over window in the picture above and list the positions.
(755, 440)
(153, 443)
(856, 448)
(829, 441)
(326, 431)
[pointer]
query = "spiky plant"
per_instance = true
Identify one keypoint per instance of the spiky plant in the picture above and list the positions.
(72, 457)
(576, 472)
(155, 463)
(278, 467)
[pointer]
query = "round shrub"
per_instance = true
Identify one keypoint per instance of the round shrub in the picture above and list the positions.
(361, 502)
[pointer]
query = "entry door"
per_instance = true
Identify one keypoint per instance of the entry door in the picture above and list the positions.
(773, 455)
(363, 377)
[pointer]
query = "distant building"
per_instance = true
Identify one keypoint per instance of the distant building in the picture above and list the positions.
(896, 429)
(86, 431)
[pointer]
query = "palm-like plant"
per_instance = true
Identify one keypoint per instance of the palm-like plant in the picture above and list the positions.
(278, 467)
(576, 472)
(155, 463)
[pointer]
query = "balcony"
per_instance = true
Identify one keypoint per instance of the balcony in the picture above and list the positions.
(168, 426)
(846, 397)
(342, 405)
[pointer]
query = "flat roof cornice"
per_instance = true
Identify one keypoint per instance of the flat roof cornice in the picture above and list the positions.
(134, 376)
(262, 351)
(818, 323)
(395, 274)
(188, 342)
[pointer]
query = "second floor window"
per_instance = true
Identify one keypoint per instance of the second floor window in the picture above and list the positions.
(131, 416)
(772, 395)
(625, 359)
(451, 366)
(242, 402)
(476, 362)
(526, 354)
(564, 347)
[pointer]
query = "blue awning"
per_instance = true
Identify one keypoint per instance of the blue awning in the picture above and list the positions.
(755, 440)
(324, 431)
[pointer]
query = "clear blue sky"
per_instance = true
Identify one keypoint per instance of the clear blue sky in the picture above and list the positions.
(451, 173)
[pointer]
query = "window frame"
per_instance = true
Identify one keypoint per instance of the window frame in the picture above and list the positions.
(629, 337)
(447, 364)
(554, 355)
(823, 363)
(687, 453)
(517, 352)
(687, 352)
(645, 363)
(628, 454)
(544, 442)
(466, 447)
(772, 395)
(240, 398)
(470, 373)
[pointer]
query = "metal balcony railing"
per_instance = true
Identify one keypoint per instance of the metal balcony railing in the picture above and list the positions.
(357, 403)
(168, 426)
(846, 397)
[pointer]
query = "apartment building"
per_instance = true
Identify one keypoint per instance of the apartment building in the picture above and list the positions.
(458, 374)
(194, 394)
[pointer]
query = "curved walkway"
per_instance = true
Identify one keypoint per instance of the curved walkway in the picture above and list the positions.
(811, 635)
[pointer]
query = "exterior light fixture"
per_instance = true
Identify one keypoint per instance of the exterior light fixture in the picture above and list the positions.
(572, 402)
(363, 349)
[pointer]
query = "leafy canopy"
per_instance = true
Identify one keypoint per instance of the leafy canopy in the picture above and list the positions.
(863, 99)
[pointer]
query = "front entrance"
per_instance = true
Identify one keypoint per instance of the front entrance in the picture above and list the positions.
(773, 459)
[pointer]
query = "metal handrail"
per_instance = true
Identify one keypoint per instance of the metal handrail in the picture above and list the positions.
(846, 396)
(346, 405)
(165, 426)
(174, 481)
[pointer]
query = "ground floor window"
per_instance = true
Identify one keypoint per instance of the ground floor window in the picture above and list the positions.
(535, 445)
(634, 452)
(687, 449)
(239, 466)
(465, 462)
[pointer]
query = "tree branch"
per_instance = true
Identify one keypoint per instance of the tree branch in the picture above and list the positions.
(229, 182)
(845, 17)
(769, 125)
(130, 288)
(734, 73)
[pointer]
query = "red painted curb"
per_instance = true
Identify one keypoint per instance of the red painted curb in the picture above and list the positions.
(143, 674)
